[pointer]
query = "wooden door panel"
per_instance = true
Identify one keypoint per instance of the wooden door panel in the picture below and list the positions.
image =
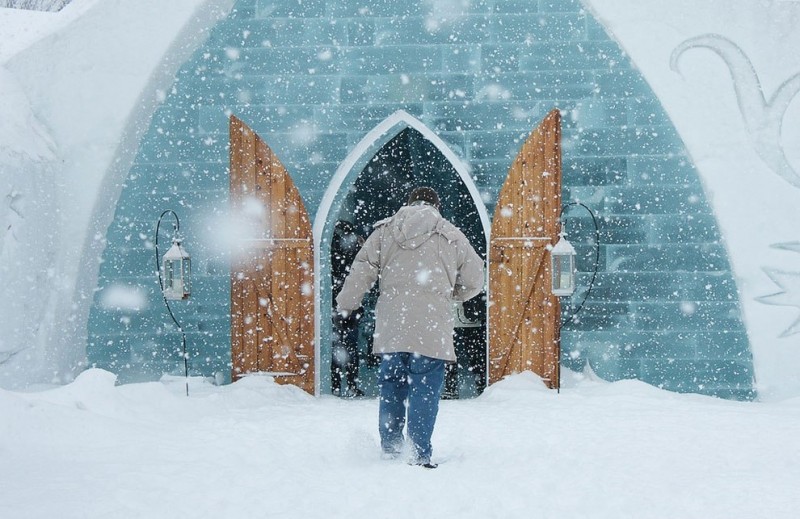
(272, 306)
(517, 268)
(523, 314)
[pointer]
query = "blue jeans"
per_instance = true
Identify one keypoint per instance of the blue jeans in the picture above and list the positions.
(417, 379)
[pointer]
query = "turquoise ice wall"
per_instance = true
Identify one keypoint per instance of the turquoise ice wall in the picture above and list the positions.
(312, 77)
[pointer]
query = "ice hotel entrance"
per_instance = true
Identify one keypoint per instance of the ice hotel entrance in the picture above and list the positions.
(274, 311)
(371, 184)
(315, 82)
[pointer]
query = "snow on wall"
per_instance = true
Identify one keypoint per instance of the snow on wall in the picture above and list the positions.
(92, 85)
(35, 5)
(27, 253)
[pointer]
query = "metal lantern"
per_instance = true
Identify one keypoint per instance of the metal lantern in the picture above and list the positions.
(562, 267)
(177, 272)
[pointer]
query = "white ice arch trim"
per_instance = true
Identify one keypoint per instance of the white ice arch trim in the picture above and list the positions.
(370, 143)
(382, 133)
(763, 119)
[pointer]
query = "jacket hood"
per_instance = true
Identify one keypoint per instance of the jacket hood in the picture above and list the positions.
(414, 225)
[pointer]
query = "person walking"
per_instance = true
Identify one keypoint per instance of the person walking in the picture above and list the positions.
(423, 264)
(345, 245)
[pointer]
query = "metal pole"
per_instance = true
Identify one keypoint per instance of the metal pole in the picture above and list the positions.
(176, 229)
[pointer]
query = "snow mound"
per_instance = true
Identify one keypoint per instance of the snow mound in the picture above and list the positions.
(515, 385)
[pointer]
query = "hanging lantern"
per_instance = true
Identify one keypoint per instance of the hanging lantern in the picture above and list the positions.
(177, 272)
(562, 266)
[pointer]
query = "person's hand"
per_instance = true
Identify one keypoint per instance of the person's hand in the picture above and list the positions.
(341, 320)
(345, 320)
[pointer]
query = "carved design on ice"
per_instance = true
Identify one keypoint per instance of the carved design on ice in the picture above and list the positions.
(763, 119)
(789, 283)
(12, 212)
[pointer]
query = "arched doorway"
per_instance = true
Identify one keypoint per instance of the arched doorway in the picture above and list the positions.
(371, 184)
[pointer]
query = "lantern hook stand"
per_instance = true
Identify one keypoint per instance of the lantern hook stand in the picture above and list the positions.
(176, 227)
(594, 271)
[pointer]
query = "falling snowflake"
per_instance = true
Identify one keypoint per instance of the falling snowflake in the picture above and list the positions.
(123, 297)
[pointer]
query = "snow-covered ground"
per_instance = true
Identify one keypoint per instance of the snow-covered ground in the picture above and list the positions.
(91, 449)
(256, 449)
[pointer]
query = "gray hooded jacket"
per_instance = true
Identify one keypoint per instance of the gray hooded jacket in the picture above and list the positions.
(423, 264)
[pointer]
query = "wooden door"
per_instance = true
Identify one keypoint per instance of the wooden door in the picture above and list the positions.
(272, 267)
(523, 314)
